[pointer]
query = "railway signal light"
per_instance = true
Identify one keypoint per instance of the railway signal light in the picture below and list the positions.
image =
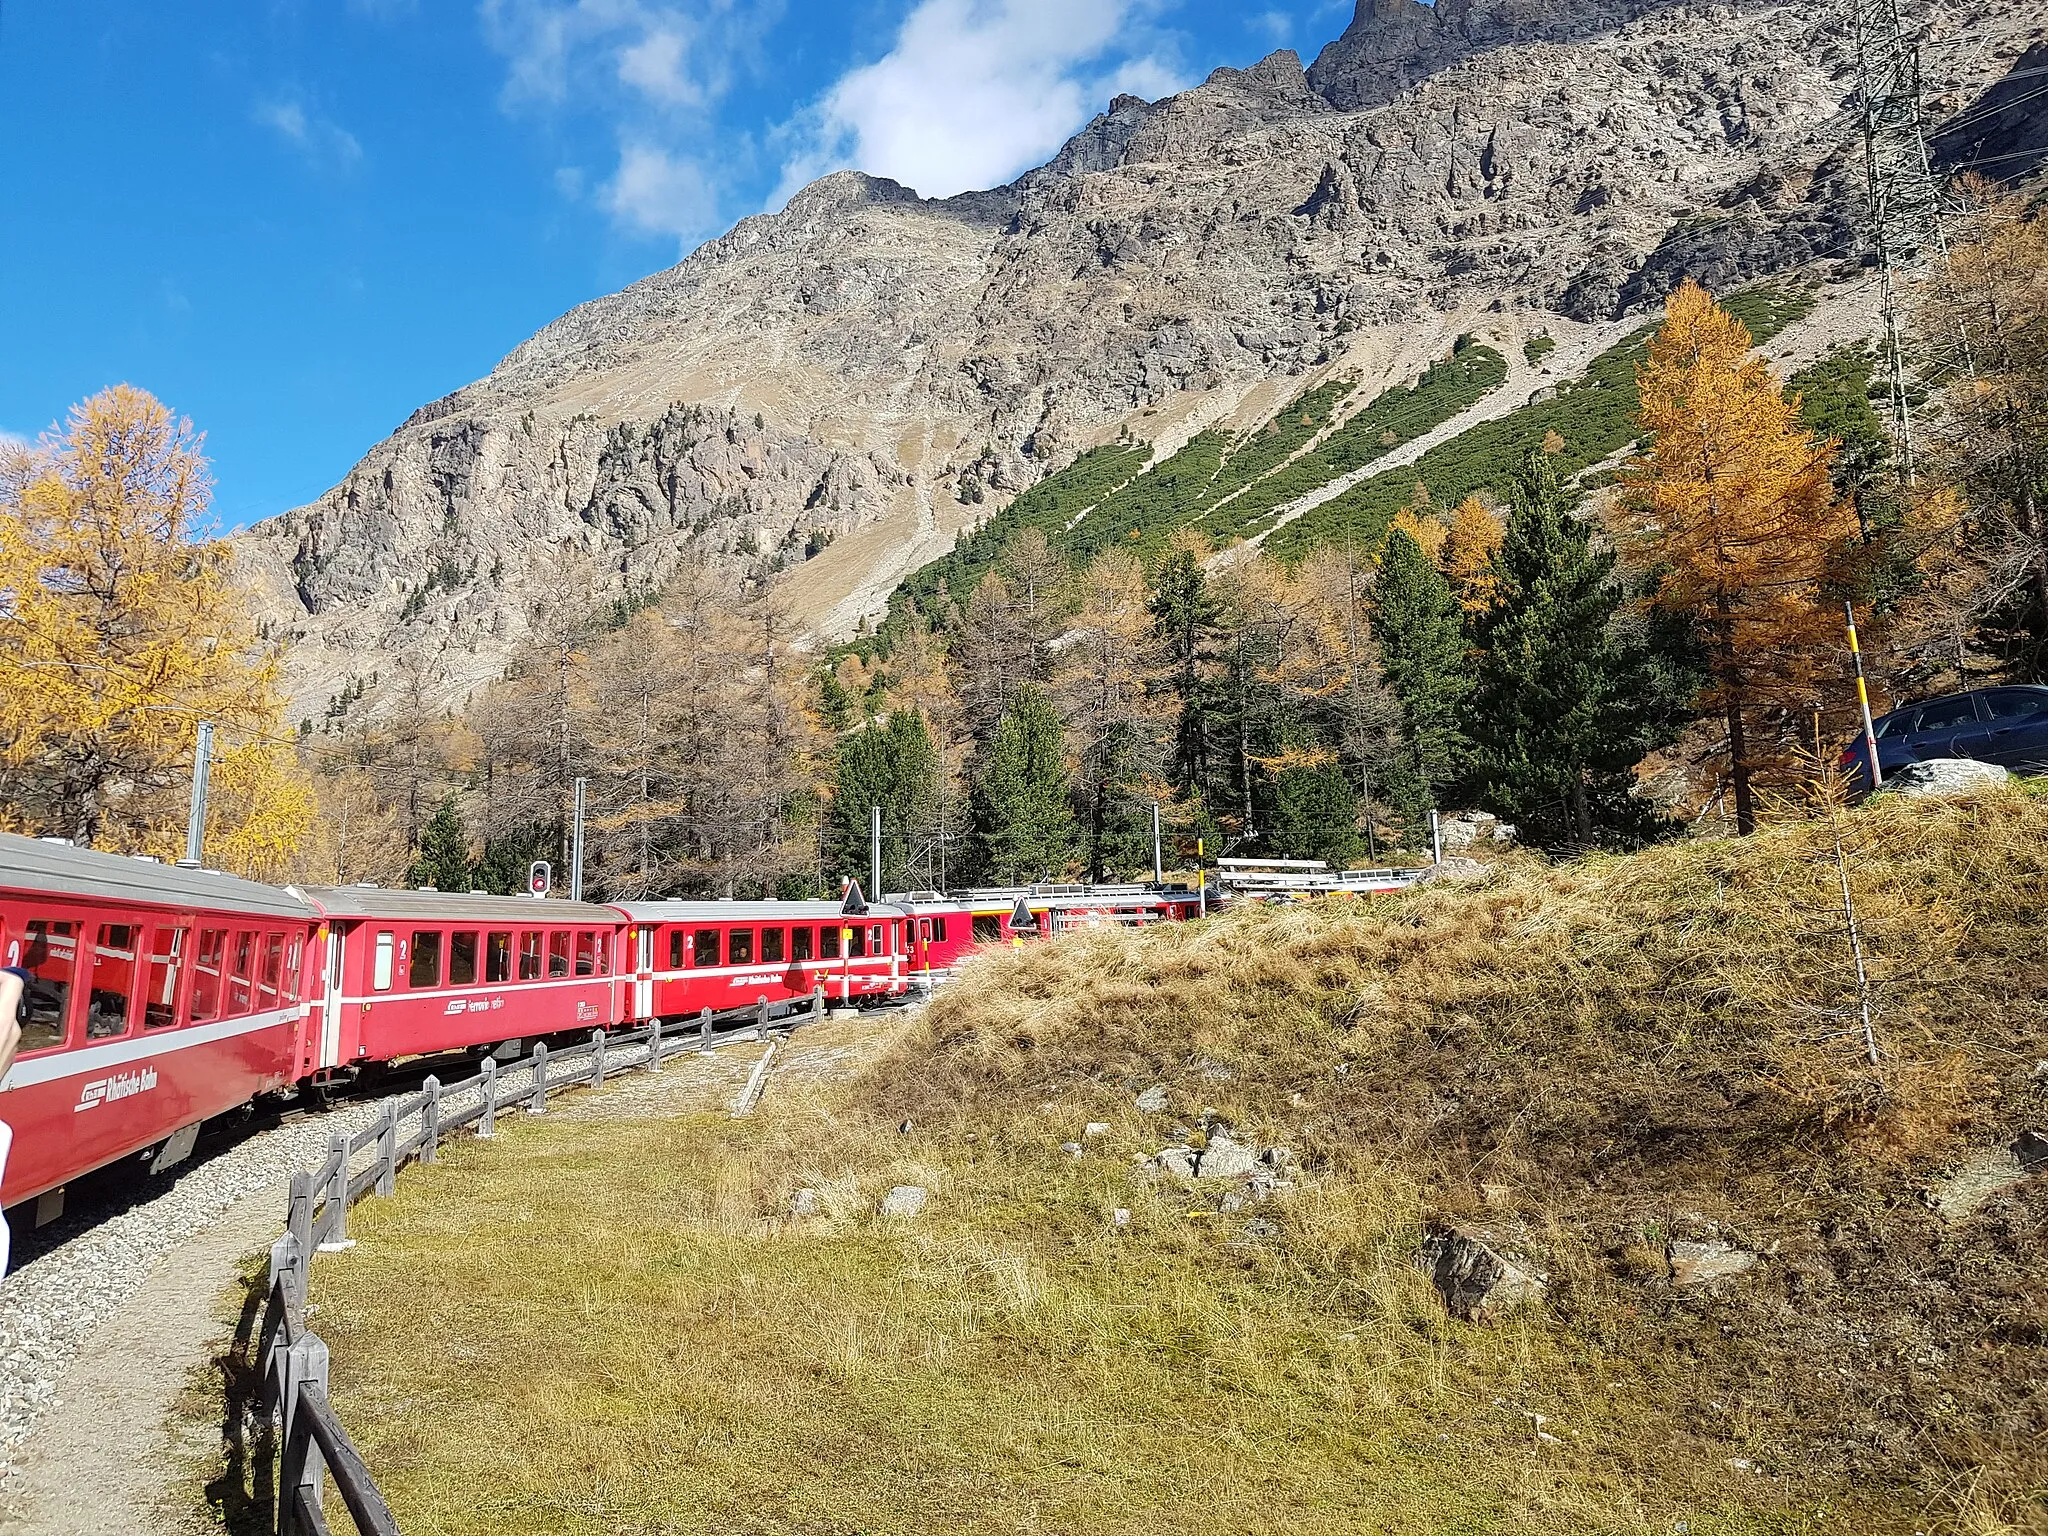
(540, 879)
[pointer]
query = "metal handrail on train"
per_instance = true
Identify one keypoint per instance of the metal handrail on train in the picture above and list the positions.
(313, 1446)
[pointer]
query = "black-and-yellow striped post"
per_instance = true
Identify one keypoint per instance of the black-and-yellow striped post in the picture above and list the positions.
(1863, 701)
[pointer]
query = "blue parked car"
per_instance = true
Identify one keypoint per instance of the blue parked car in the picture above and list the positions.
(2007, 726)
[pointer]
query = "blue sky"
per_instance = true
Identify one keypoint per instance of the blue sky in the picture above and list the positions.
(295, 221)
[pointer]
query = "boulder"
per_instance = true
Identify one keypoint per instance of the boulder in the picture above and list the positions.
(1946, 778)
(1096, 1128)
(804, 1204)
(1224, 1158)
(1478, 1280)
(1453, 868)
(1072, 1148)
(905, 1201)
(1176, 1162)
(1153, 1100)
(1704, 1263)
(1966, 1189)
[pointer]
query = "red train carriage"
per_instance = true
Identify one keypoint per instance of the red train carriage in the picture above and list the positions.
(412, 973)
(693, 955)
(947, 929)
(161, 998)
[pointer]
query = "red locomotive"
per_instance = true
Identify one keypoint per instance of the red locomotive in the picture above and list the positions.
(162, 998)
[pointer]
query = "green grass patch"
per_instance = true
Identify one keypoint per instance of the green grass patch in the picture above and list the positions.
(1595, 415)
(1396, 416)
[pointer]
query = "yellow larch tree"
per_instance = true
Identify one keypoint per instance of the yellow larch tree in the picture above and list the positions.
(119, 632)
(1475, 536)
(1733, 501)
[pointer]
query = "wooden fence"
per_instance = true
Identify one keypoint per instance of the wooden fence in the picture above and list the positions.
(312, 1446)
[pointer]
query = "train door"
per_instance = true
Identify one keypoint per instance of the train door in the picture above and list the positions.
(330, 1003)
(643, 981)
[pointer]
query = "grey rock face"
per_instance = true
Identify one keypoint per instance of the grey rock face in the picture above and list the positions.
(1225, 1158)
(1153, 1100)
(1947, 778)
(1965, 1190)
(1703, 1263)
(1479, 1281)
(1175, 1162)
(905, 1201)
(1435, 163)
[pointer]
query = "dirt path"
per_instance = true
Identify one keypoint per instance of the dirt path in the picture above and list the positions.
(100, 1463)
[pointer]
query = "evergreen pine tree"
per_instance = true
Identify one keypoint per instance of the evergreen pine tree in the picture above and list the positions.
(1184, 616)
(893, 766)
(442, 860)
(1554, 724)
(1022, 804)
(1422, 646)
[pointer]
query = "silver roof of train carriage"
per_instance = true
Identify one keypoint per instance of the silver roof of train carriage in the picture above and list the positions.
(770, 912)
(37, 867)
(373, 901)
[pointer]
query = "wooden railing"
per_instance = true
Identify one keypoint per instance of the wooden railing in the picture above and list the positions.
(312, 1446)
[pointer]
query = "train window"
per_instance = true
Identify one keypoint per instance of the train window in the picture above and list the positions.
(380, 969)
(938, 934)
(113, 982)
(426, 959)
(675, 949)
(166, 960)
(878, 940)
(856, 942)
(461, 959)
(828, 942)
(604, 954)
(771, 946)
(800, 941)
(50, 956)
(558, 953)
(988, 928)
(529, 956)
(498, 957)
(239, 978)
(740, 947)
(294, 952)
(206, 984)
(271, 984)
(586, 954)
(704, 946)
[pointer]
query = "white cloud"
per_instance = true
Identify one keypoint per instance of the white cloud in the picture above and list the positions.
(657, 193)
(657, 70)
(1278, 26)
(975, 91)
(321, 141)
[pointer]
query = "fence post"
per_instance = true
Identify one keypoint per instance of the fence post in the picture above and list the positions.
(387, 1150)
(597, 1042)
(818, 1005)
(306, 1364)
(654, 1048)
(487, 1127)
(337, 1197)
(538, 1104)
(761, 1019)
(284, 1286)
(704, 1030)
(430, 1120)
(299, 1222)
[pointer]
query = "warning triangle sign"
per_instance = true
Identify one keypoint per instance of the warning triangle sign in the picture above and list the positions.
(855, 905)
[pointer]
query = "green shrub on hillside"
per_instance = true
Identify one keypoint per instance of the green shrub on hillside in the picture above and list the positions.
(1398, 415)
(1594, 414)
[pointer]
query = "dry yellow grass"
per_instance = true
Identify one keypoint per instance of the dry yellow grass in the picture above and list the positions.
(614, 1325)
